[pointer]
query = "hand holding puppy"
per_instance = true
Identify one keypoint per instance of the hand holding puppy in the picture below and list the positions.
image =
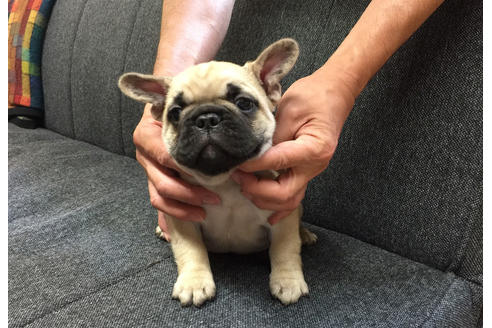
(310, 117)
(309, 111)
(168, 193)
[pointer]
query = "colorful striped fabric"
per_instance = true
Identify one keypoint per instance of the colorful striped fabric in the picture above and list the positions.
(27, 24)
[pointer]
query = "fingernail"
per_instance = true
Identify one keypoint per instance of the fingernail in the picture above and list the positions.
(211, 200)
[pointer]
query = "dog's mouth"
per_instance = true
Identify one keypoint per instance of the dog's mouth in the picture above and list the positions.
(212, 158)
(214, 154)
(213, 140)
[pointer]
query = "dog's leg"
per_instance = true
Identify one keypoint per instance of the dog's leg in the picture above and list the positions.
(195, 283)
(286, 279)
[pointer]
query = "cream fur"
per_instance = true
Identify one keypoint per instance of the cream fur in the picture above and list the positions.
(236, 225)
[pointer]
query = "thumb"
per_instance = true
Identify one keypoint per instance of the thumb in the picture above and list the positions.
(281, 156)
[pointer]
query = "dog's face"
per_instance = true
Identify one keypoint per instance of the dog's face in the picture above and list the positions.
(216, 115)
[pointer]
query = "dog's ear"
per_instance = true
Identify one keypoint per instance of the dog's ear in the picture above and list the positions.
(273, 64)
(147, 89)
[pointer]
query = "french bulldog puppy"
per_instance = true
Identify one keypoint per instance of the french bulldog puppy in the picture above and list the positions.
(215, 116)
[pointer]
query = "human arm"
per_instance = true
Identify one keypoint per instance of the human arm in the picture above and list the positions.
(191, 33)
(313, 110)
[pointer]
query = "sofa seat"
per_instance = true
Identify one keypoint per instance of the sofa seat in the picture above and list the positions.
(82, 252)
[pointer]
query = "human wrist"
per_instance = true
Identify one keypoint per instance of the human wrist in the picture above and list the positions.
(337, 90)
(378, 33)
(340, 71)
(339, 85)
(165, 66)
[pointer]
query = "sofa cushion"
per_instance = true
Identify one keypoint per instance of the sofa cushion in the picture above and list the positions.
(89, 44)
(78, 219)
(82, 253)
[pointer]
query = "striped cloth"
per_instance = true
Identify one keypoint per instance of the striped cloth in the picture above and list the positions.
(27, 24)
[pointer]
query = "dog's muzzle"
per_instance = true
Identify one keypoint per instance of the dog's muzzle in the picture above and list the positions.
(213, 139)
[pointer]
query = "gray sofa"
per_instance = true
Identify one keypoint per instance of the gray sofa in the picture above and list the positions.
(398, 212)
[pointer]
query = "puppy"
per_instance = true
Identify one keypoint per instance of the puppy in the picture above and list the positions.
(215, 116)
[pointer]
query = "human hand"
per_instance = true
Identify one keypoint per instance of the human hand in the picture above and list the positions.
(310, 118)
(168, 192)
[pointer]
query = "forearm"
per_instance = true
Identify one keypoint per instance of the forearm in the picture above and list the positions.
(383, 27)
(191, 32)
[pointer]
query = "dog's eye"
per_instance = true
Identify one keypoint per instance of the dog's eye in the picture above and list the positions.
(244, 104)
(173, 113)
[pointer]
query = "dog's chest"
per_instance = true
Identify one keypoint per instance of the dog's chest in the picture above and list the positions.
(236, 225)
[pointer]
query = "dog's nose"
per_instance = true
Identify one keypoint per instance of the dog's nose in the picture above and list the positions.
(207, 120)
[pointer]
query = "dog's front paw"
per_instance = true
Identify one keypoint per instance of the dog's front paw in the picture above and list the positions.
(194, 287)
(307, 237)
(288, 288)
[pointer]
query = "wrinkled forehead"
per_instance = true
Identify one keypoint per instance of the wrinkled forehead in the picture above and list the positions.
(207, 81)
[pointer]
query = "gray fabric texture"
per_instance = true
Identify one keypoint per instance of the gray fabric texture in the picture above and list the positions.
(408, 173)
(56, 65)
(82, 253)
(76, 213)
(88, 45)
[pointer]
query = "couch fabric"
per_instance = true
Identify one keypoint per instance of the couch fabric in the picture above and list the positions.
(398, 212)
(82, 252)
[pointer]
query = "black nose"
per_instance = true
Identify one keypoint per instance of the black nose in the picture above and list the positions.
(207, 120)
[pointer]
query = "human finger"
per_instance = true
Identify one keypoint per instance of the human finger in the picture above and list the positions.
(175, 208)
(280, 190)
(289, 205)
(282, 156)
(171, 186)
(149, 142)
